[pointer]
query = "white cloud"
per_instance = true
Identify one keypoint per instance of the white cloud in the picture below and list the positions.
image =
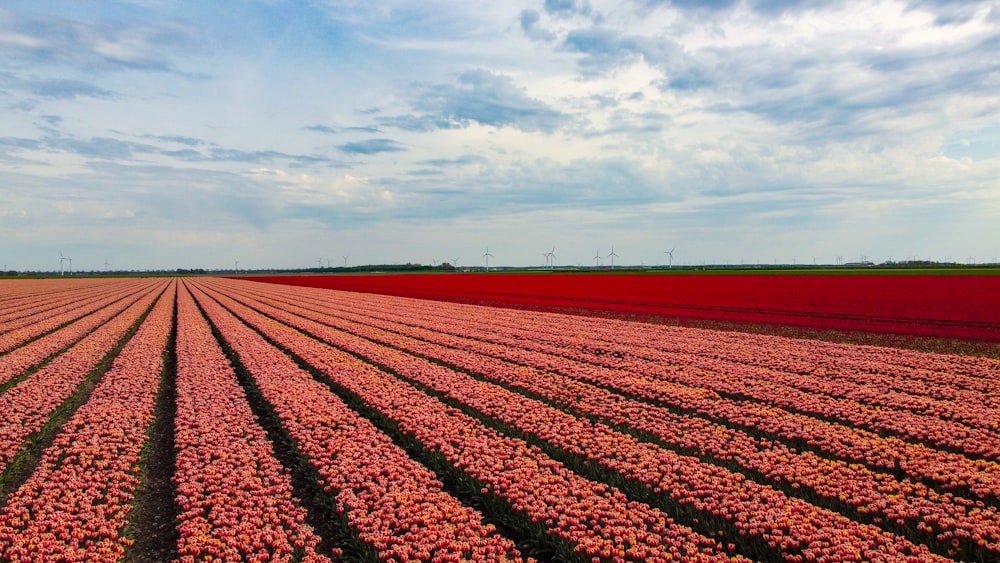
(782, 124)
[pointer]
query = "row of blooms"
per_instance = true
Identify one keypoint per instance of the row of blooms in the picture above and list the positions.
(598, 520)
(681, 386)
(943, 366)
(940, 306)
(798, 529)
(815, 369)
(18, 294)
(395, 505)
(24, 312)
(27, 406)
(20, 359)
(901, 502)
(809, 395)
(978, 477)
(74, 507)
(235, 499)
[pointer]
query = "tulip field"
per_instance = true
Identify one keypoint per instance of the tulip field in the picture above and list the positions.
(204, 419)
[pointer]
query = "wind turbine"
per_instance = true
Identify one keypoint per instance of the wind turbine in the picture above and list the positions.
(236, 263)
(320, 262)
(65, 259)
(454, 262)
(670, 256)
(106, 264)
(487, 257)
(345, 261)
(597, 258)
(612, 255)
(550, 257)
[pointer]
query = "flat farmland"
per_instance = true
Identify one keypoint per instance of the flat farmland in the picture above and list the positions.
(197, 419)
(938, 306)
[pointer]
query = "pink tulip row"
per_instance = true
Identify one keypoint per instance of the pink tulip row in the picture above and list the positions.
(612, 339)
(952, 471)
(50, 319)
(879, 494)
(17, 361)
(805, 356)
(970, 427)
(408, 516)
(754, 510)
(13, 291)
(74, 506)
(696, 390)
(597, 519)
(27, 406)
(34, 308)
(235, 498)
(843, 374)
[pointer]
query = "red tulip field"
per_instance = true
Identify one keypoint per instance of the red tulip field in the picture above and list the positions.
(203, 419)
(940, 306)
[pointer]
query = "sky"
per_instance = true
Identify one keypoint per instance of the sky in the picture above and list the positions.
(158, 134)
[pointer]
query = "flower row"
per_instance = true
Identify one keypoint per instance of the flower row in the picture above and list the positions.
(38, 309)
(17, 361)
(19, 293)
(757, 511)
(396, 505)
(969, 426)
(901, 502)
(615, 337)
(941, 306)
(75, 504)
(235, 498)
(27, 406)
(954, 472)
(594, 517)
(837, 369)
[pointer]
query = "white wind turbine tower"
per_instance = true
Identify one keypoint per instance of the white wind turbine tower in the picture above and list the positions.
(612, 255)
(550, 257)
(236, 264)
(320, 262)
(670, 256)
(62, 259)
(487, 257)
(597, 258)
(345, 261)
(106, 264)
(454, 262)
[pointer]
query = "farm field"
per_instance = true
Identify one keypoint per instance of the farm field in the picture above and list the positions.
(952, 306)
(198, 419)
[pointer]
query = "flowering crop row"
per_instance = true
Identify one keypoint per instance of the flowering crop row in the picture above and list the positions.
(596, 518)
(955, 472)
(939, 306)
(897, 501)
(27, 406)
(396, 505)
(15, 292)
(762, 512)
(74, 506)
(681, 386)
(615, 340)
(235, 498)
(772, 387)
(17, 361)
(22, 312)
(843, 374)
(51, 319)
